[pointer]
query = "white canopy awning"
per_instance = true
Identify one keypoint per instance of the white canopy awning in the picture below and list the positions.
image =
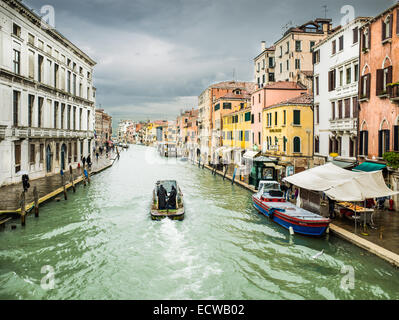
(342, 185)
(250, 154)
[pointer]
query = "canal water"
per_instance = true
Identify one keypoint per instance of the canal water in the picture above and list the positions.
(102, 244)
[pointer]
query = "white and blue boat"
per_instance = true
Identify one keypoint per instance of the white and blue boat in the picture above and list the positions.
(270, 201)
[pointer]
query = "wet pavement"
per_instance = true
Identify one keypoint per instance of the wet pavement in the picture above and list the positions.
(10, 194)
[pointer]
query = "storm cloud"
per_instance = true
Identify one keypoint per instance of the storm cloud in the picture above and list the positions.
(155, 57)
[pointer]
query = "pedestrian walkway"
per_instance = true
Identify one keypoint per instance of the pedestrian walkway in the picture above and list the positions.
(10, 194)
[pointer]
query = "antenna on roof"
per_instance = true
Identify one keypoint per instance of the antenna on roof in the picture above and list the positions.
(325, 11)
(287, 25)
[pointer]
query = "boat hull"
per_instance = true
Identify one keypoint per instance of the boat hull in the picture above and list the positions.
(159, 215)
(316, 229)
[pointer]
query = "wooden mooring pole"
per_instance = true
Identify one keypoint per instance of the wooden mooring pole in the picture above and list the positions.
(36, 199)
(71, 178)
(63, 185)
(23, 209)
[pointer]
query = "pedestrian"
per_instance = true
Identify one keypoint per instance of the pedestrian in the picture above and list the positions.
(296, 193)
(172, 198)
(97, 156)
(89, 161)
(331, 208)
(83, 161)
(284, 189)
(161, 193)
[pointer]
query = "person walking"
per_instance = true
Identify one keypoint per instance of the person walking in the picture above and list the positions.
(97, 156)
(89, 161)
(83, 162)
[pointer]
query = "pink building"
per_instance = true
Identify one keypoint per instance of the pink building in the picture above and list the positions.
(267, 96)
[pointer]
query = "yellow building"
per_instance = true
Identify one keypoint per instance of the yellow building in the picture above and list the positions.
(237, 127)
(287, 130)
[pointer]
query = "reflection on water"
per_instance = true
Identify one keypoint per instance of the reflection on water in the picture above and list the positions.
(102, 244)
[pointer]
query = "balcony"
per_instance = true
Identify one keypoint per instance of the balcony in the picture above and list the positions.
(346, 124)
(393, 91)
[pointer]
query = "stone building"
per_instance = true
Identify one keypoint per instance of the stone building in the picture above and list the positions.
(47, 97)
(264, 66)
(103, 127)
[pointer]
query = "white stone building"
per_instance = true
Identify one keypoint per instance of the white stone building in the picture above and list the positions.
(336, 75)
(264, 66)
(47, 97)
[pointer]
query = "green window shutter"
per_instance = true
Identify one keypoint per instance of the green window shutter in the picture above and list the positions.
(248, 116)
(297, 117)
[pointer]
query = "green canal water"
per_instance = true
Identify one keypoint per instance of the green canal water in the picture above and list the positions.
(102, 244)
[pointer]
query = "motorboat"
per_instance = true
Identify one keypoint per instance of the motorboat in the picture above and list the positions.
(173, 211)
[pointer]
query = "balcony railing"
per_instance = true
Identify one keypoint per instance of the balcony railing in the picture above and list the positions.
(46, 133)
(393, 91)
(345, 124)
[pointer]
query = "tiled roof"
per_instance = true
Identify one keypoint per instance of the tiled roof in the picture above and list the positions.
(285, 85)
(248, 86)
(232, 95)
(302, 99)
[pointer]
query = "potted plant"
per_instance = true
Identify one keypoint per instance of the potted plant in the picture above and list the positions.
(392, 159)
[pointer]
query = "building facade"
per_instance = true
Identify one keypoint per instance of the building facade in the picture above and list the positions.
(47, 97)
(264, 65)
(293, 51)
(288, 131)
(103, 127)
(336, 76)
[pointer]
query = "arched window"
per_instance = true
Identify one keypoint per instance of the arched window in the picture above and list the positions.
(387, 28)
(297, 145)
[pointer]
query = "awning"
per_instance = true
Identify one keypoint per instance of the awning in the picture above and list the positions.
(342, 185)
(250, 154)
(265, 159)
(343, 164)
(369, 167)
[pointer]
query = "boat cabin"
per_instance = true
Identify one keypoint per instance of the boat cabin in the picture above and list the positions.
(270, 191)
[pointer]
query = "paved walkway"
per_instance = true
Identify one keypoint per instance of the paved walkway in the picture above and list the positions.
(10, 194)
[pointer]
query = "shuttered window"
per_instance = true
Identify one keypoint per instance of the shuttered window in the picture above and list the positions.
(339, 109)
(247, 116)
(383, 142)
(16, 95)
(331, 80)
(297, 145)
(31, 58)
(355, 35)
(17, 156)
(365, 86)
(341, 43)
(32, 154)
(355, 107)
(347, 108)
(396, 138)
(333, 110)
(297, 117)
(226, 105)
(363, 143)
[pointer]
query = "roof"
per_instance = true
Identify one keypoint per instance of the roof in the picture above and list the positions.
(231, 95)
(248, 86)
(369, 167)
(303, 99)
(285, 85)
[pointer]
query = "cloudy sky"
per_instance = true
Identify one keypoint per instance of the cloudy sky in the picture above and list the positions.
(154, 57)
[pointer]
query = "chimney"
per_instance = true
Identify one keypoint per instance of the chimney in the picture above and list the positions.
(263, 45)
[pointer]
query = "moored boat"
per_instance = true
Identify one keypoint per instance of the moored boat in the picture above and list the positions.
(270, 201)
(174, 211)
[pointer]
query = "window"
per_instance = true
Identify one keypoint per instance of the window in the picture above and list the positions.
(332, 110)
(387, 28)
(339, 109)
(348, 75)
(32, 154)
(275, 118)
(384, 77)
(31, 62)
(281, 68)
(341, 43)
(316, 56)
(316, 145)
(69, 81)
(217, 107)
(40, 44)
(288, 64)
(56, 67)
(355, 35)
(312, 43)
(17, 61)
(354, 106)
(247, 116)
(316, 80)
(298, 46)
(41, 150)
(271, 76)
(284, 117)
(17, 156)
(259, 117)
(16, 96)
(365, 86)
(331, 80)
(259, 138)
(288, 47)
(383, 142)
(341, 77)
(297, 64)
(40, 112)
(366, 39)
(316, 111)
(69, 117)
(363, 143)
(271, 62)
(285, 144)
(227, 105)
(31, 99)
(334, 47)
(62, 115)
(40, 68)
(55, 114)
(297, 117)
(347, 108)
(16, 30)
(297, 145)
(74, 85)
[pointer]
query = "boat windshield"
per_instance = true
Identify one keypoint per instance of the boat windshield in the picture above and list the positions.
(271, 186)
